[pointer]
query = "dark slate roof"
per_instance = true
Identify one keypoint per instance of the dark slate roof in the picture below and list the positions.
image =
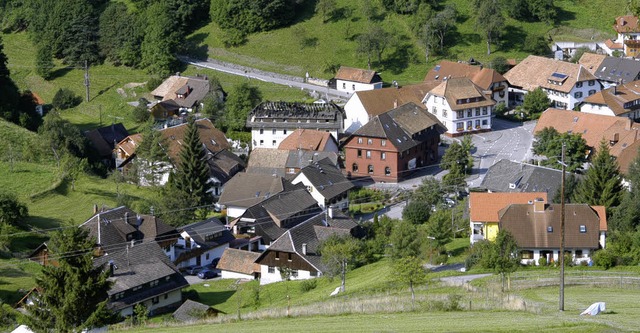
(295, 110)
(139, 265)
(114, 229)
(247, 189)
(301, 158)
(312, 232)
(327, 178)
(223, 165)
(199, 230)
(405, 127)
(614, 69)
(185, 312)
(104, 139)
(509, 176)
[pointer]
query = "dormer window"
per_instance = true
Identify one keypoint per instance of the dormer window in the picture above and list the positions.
(549, 229)
(583, 228)
(557, 78)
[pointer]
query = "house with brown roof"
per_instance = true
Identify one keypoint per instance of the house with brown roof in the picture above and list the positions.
(536, 228)
(566, 84)
(591, 61)
(308, 139)
(298, 248)
(391, 145)
(461, 106)
(180, 93)
(364, 105)
(619, 100)
(272, 122)
(285, 163)
(628, 35)
(239, 264)
(484, 209)
(247, 189)
(355, 79)
(486, 78)
(104, 140)
(621, 133)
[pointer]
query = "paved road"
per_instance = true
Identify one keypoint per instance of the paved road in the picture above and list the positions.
(286, 80)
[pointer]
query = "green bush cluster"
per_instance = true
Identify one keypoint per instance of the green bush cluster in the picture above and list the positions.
(308, 285)
(65, 99)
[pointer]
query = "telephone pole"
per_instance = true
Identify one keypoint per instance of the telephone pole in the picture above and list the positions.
(561, 254)
(86, 78)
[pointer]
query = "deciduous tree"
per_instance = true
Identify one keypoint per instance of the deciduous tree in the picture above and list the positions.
(326, 9)
(339, 254)
(535, 101)
(416, 212)
(489, 20)
(12, 211)
(242, 99)
(404, 241)
(409, 271)
(151, 154)
(548, 143)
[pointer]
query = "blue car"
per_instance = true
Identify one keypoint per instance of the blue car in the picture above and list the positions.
(194, 270)
(207, 274)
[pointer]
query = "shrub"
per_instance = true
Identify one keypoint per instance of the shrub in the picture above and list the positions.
(542, 261)
(140, 113)
(153, 83)
(65, 99)
(308, 285)
(604, 258)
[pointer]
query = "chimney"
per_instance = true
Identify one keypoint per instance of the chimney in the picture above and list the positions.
(126, 217)
(138, 220)
(304, 249)
(614, 139)
(330, 211)
(111, 268)
(615, 89)
(538, 205)
(395, 104)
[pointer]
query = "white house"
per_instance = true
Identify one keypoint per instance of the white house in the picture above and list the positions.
(272, 122)
(239, 264)
(354, 79)
(247, 189)
(621, 101)
(326, 183)
(202, 242)
(566, 84)
(461, 106)
(628, 35)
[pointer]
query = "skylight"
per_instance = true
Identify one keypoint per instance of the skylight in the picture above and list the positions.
(559, 75)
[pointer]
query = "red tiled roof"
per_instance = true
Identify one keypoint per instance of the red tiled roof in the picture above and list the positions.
(306, 139)
(355, 74)
(484, 207)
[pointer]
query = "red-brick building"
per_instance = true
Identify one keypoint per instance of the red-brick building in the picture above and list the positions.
(393, 144)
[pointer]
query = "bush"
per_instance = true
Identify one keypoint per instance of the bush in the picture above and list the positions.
(65, 99)
(308, 285)
(604, 258)
(140, 113)
(153, 83)
(542, 261)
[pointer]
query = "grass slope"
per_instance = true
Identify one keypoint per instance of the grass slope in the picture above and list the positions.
(310, 45)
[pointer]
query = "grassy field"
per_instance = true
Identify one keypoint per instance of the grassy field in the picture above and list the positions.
(310, 45)
(16, 275)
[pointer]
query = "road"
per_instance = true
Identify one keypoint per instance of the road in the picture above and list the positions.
(286, 80)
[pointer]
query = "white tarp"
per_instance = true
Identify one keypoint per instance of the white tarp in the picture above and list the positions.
(594, 309)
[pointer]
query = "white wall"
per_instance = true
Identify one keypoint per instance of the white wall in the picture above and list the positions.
(356, 115)
(172, 297)
(350, 86)
(450, 121)
(596, 109)
(235, 211)
(301, 178)
(234, 275)
(266, 277)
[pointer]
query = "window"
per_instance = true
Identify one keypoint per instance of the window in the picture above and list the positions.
(578, 94)
(583, 228)
(359, 140)
(313, 273)
(549, 229)
(294, 273)
(344, 85)
(469, 124)
(526, 254)
(485, 122)
(155, 300)
(153, 283)
(369, 141)
(359, 154)
(578, 84)
(444, 112)
(289, 256)
(273, 143)
(383, 142)
(368, 153)
(262, 131)
(284, 132)
(370, 169)
(477, 123)
(119, 295)
(136, 288)
(460, 126)
(273, 131)
(591, 92)
(383, 155)
(477, 112)
(353, 87)
(207, 256)
(484, 111)
(469, 113)
(271, 270)
(592, 82)
(262, 142)
(387, 171)
(277, 255)
(434, 110)
(354, 167)
(460, 114)
(166, 296)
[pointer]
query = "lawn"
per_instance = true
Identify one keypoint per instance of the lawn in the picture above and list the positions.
(312, 46)
(16, 278)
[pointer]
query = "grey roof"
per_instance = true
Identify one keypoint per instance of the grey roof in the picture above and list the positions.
(312, 232)
(186, 312)
(268, 161)
(247, 189)
(104, 139)
(614, 69)
(301, 158)
(223, 165)
(296, 115)
(139, 265)
(405, 127)
(199, 230)
(509, 176)
(327, 178)
(115, 228)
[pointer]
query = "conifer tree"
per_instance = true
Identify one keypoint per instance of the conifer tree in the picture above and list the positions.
(73, 295)
(151, 153)
(601, 185)
(192, 176)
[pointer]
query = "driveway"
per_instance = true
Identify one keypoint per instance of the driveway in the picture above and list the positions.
(194, 279)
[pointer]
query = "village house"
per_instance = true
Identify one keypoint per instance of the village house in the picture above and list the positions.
(272, 122)
(628, 36)
(306, 139)
(201, 243)
(393, 144)
(489, 80)
(104, 139)
(350, 79)
(363, 106)
(621, 133)
(285, 163)
(461, 106)
(536, 228)
(484, 209)
(247, 189)
(297, 249)
(612, 70)
(179, 94)
(239, 264)
(510, 176)
(326, 183)
(619, 100)
(566, 84)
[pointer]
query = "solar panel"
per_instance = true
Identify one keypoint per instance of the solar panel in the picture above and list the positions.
(559, 75)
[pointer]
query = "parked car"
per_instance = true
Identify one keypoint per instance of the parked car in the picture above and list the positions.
(194, 270)
(207, 274)
(449, 202)
(214, 263)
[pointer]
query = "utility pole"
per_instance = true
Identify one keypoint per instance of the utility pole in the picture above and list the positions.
(86, 78)
(561, 254)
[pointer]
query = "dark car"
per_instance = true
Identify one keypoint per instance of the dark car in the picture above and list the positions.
(207, 274)
(214, 263)
(194, 270)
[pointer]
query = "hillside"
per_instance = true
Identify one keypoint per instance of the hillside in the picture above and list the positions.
(312, 46)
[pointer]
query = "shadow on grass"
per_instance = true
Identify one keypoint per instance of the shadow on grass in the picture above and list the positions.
(26, 243)
(514, 39)
(339, 14)
(212, 298)
(10, 272)
(563, 15)
(104, 90)
(60, 72)
(196, 48)
(399, 60)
